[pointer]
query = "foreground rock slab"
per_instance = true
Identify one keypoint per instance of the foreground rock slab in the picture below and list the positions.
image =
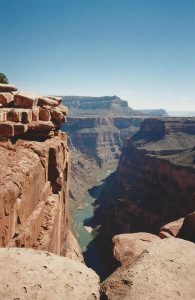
(128, 246)
(165, 271)
(29, 274)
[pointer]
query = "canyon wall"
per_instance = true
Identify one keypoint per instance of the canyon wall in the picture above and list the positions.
(95, 144)
(34, 179)
(155, 179)
(100, 138)
(34, 193)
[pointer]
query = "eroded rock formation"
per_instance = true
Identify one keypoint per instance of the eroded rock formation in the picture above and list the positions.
(28, 114)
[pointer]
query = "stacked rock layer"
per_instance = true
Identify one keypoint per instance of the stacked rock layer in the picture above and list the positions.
(25, 113)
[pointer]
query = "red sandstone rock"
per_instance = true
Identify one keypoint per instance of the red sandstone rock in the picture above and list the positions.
(41, 126)
(44, 114)
(129, 246)
(57, 116)
(166, 270)
(6, 98)
(171, 229)
(7, 87)
(25, 100)
(42, 101)
(31, 275)
(58, 99)
(25, 111)
(6, 129)
(34, 191)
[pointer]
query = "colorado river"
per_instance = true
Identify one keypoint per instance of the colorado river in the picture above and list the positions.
(86, 237)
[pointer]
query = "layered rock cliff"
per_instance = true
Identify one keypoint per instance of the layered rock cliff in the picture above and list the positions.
(95, 144)
(34, 179)
(155, 180)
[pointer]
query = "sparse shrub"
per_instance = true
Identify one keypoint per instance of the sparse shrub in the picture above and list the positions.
(3, 78)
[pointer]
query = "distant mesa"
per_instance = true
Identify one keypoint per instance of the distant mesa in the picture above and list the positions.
(97, 106)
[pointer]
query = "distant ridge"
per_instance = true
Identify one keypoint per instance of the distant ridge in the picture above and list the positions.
(97, 106)
(153, 112)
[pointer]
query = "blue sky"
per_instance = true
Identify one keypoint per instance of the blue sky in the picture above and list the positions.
(141, 50)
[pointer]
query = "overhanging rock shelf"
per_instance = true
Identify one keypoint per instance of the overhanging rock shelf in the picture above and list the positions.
(22, 113)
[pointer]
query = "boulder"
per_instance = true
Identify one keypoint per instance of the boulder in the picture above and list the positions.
(25, 100)
(44, 101)
(44, 114)
(187, 231)
(129, 246)
(20, 128)
(7, 87)
(171, 229)
(6, 98)
(10, 129)
(166, 270)
(59, 99)
(6, 129)
(29, 274)
(57, 116)
(41, 126)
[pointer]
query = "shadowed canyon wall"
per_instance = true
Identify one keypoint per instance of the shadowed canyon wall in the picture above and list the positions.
(155, 179)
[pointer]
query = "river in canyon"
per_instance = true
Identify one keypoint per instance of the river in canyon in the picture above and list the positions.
(85, 234)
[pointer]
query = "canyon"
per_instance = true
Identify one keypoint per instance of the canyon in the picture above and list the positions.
(97, 127)
(154, 181)
(121, 181)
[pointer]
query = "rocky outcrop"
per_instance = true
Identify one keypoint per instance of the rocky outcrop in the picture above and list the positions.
(97, 106)
(34, 179)
(157, 274)
(29, 274)
(128, 247)
(26, 114)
